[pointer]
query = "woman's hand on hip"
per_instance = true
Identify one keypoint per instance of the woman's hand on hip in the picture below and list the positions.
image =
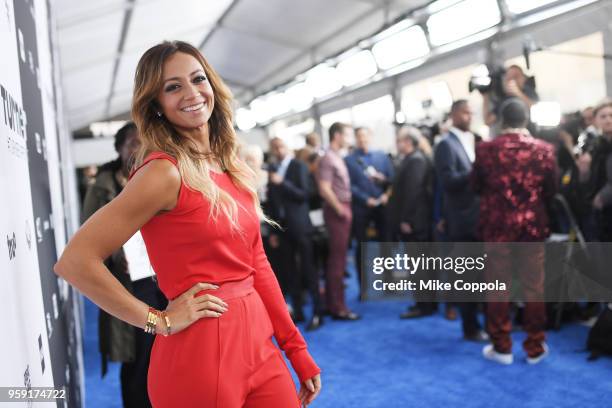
(310, 389)
(187, 308)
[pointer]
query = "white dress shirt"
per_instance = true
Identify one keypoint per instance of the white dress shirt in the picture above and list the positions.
(284, 165)
(468, 141)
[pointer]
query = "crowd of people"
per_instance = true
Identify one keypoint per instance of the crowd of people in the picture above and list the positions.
(451, 186)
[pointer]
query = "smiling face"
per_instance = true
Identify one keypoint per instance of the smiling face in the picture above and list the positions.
(186, 98)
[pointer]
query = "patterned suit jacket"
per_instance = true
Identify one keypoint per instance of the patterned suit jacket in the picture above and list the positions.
(515, 176)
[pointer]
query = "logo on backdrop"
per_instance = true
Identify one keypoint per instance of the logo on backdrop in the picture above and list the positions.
(21, 45)
(12, 246)
(49, 325)
(41, 145)
(39, 231)
(55, 307)
(40, 350)
(27, 381)
(16, 120)
(28, 234)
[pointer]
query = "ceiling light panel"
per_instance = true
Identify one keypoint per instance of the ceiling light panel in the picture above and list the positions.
(459, 21)
(299, 97)
(245, 120)
(261, 110)
(401, 47)
(357, 68)
(323, 80)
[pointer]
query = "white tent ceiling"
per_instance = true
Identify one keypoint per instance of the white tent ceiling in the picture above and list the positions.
(253, 44)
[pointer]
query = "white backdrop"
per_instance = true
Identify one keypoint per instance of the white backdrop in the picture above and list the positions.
(40, 341)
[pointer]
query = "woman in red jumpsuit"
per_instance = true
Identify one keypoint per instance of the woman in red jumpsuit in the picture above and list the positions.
(196, 206)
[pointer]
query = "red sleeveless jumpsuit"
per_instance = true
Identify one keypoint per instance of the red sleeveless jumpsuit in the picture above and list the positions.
(230, 361)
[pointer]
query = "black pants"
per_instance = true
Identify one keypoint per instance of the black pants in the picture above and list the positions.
(468, 310)
(134, 374)
(425, 300)
(278, 260)
(299, 264)
(362, 218)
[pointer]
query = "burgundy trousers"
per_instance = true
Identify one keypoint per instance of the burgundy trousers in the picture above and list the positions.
(339, 231)
(527, 260)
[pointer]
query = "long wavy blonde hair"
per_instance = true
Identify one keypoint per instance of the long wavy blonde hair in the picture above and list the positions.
(158, 134)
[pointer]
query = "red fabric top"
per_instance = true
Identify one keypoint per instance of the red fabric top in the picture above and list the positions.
(515, 176)
(185, 246)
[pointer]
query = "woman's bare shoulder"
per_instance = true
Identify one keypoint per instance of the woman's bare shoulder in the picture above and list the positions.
(159, 179)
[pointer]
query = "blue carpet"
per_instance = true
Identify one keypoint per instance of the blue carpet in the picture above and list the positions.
(382, 361)
(99, 392)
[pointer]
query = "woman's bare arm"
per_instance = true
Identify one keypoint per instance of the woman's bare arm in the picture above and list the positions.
(154, 188)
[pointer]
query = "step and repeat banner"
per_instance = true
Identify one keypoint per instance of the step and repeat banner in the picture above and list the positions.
(40, 343)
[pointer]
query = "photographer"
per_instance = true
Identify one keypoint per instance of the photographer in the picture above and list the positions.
(587, 139)
(514, 83)
(596, 172)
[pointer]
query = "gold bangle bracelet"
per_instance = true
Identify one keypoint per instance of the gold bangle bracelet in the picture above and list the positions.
(152, 318)
(167, 320)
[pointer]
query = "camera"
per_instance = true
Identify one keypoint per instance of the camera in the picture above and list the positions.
(488, 79)
(584, 139)
(587, 142)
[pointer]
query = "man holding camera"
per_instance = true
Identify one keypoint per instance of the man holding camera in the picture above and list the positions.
(515, 84)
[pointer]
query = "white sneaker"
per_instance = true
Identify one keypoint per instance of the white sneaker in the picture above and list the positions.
(502, 358)
(542, 356)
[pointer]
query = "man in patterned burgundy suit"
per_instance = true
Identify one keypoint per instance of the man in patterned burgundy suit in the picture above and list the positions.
(515, 176)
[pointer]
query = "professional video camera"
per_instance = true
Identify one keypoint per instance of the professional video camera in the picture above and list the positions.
(489, 79)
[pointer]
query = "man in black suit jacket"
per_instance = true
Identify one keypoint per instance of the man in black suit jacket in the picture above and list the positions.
(410, 207)
(288, 194)
(453, 159)
(410, 204)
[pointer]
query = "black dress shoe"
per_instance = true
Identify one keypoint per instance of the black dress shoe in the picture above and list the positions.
(415, 313)
(346, 316)
(479, 336)
(315, 323)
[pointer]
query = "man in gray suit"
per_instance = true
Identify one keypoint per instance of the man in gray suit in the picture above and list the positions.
(453, 160)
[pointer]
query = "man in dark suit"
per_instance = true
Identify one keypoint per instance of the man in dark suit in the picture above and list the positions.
(453, 159)
(410, 202)
(288, 194)
(410, 207)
